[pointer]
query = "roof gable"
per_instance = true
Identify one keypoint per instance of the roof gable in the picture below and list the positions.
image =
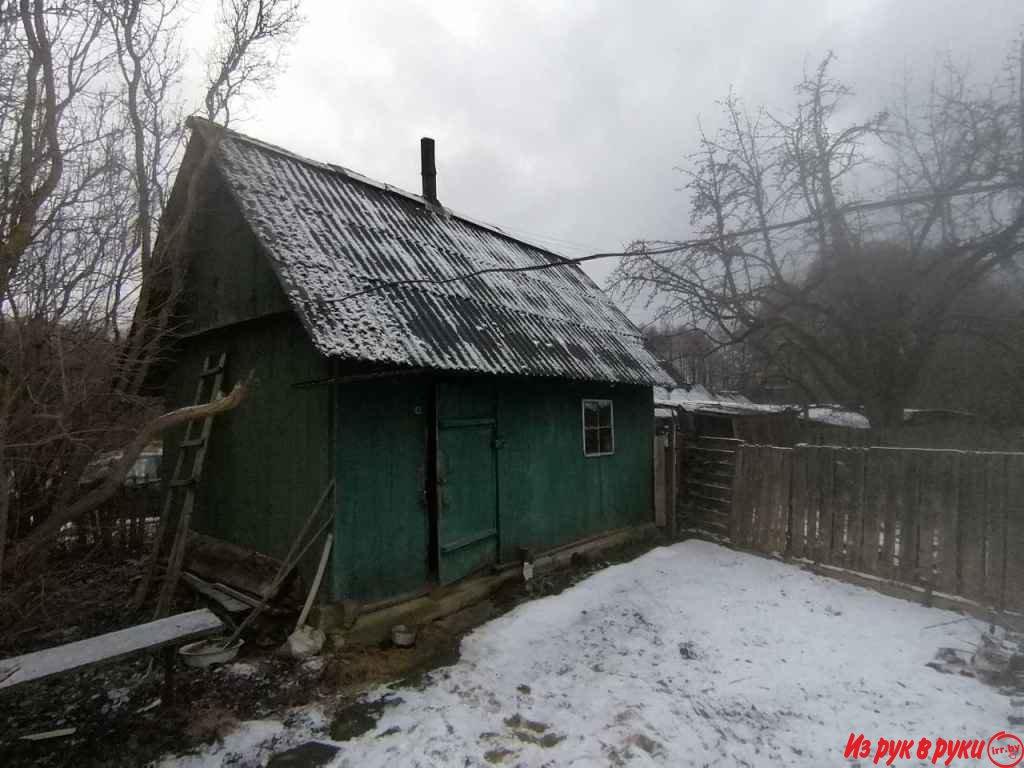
(330, 233)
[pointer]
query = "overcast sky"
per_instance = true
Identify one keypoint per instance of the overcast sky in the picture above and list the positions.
(563, 120)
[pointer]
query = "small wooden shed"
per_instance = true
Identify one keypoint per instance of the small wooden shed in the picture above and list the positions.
(464, 419)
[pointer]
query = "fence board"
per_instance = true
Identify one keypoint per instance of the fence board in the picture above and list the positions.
(929, 504)
(777, 507)
(826, 504)
(947, 522)
(909, 467)
(853, 491)
(799, 503)
(995, 527)
(873, 495)
(1013, 595)
(741, 494)
(888, 549)
(971, 511)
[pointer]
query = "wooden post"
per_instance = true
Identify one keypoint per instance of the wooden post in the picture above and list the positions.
(658, 449)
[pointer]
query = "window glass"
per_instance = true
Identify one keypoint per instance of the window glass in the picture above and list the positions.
(598, 428)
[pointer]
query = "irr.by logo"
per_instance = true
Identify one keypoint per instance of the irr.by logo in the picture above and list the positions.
(1005, 750)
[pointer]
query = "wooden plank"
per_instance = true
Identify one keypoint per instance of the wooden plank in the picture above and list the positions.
(739, 496)
(874, 494)
(948, 523)
(753, 487)
(842, 502)
(725, 442)
(971, 513)
(226, 600)
(932, 468)
(889, 467)
(766, 485)
(995, 527)
(658, 449)
(857, 458)
(929, 493)
(766, 481)
(110, 647)
(798, 505)
(784, 499)
(1013, 590)
(826, 506)
(909, 522)
(814, 491)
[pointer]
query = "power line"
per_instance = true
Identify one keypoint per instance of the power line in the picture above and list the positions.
(684, 245)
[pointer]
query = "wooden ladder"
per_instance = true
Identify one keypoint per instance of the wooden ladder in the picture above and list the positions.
(182, 489)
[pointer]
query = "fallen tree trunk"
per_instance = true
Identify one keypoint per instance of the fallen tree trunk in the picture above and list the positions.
(48, 530)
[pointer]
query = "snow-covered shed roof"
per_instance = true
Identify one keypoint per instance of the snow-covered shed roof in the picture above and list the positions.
(698, 399)
(837, 416)
(339, 242)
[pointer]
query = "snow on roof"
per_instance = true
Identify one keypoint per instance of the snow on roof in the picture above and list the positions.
(700, 399)
(330, 233)
(837, 416)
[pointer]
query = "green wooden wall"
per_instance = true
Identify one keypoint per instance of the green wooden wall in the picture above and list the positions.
(268, 460)
(229, 280)
(382, 528)
(549, 493)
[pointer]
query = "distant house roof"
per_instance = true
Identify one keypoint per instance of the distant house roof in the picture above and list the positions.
(331, 233)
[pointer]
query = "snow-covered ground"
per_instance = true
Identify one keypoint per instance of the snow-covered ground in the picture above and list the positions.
(690, 655)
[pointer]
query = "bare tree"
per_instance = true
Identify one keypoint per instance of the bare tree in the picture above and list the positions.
(250, 40)
(838, 252)
(91, 268)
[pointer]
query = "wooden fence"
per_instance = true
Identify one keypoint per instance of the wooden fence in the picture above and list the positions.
(951, 521)
(708, 483)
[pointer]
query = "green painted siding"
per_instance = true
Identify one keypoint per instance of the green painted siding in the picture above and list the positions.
(382, 529)
(467, 476)
(229, 279)
(267, 461)
(549, 493)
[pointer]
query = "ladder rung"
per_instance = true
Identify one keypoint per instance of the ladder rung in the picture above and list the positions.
(193, 442)
(207, 372)
(183, 482)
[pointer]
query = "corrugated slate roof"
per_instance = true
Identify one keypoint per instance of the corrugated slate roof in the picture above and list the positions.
(330, 233)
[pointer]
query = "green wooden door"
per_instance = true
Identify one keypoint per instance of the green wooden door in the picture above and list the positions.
(467, 483)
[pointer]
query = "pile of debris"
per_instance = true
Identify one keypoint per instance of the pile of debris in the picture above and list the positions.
(997, 660)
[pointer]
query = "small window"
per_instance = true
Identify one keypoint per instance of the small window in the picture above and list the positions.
(598, 428)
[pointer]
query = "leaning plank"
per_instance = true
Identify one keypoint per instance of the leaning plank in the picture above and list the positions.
(227, 601)
(110, 647)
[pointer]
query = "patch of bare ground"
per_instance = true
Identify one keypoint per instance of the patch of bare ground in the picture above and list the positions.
(113, 709)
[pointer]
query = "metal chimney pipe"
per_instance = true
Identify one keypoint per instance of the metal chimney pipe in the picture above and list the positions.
(429, 170)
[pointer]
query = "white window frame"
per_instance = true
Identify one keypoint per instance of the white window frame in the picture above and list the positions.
(601, 401)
